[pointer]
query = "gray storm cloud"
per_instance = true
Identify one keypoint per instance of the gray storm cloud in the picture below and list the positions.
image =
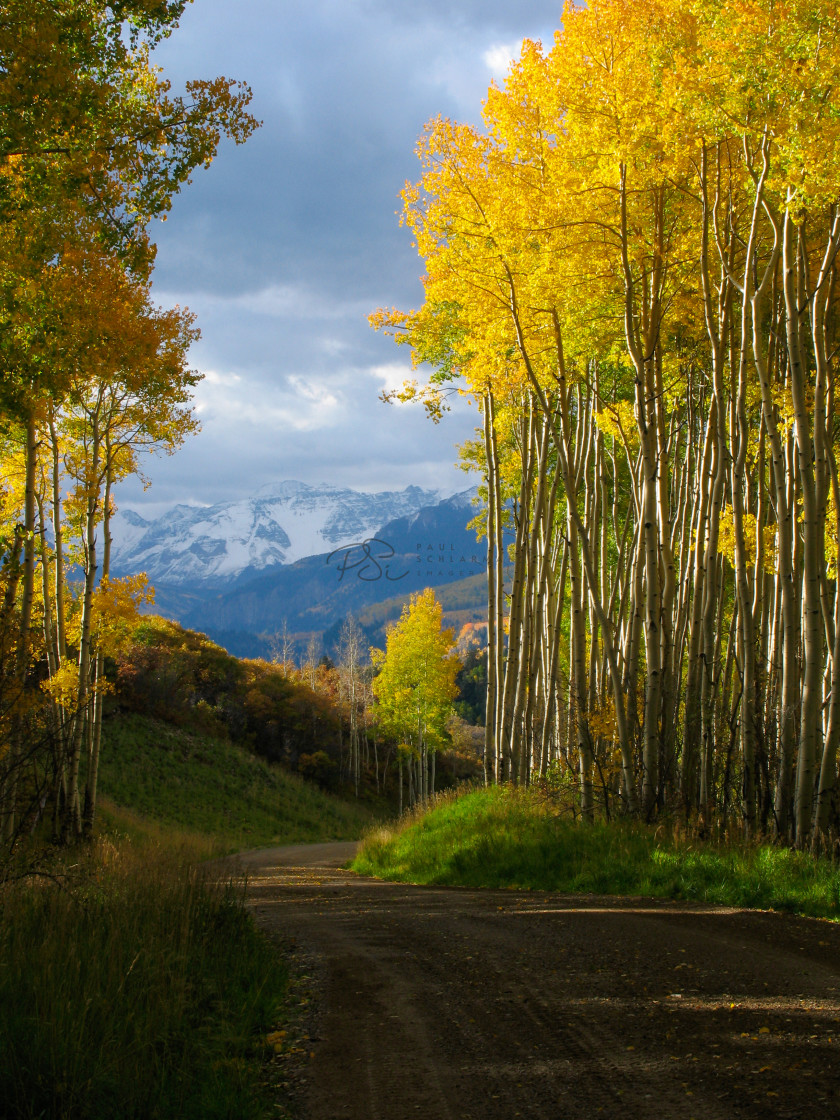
(284, 245)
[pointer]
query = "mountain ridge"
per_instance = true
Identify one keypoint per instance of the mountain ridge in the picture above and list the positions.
(428, 548)
(428, 545)
(207, 546)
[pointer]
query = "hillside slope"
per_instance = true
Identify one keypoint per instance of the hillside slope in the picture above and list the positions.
(211, 786)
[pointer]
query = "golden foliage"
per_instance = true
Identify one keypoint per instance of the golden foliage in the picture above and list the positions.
(618, 421)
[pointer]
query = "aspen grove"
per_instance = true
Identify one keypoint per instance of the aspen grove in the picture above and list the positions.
(633, 271)
(93, 146)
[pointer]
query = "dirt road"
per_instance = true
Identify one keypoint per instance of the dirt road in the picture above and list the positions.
(488, 1005)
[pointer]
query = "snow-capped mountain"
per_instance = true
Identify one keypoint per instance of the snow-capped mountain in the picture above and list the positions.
(211, 545)
(432, 547)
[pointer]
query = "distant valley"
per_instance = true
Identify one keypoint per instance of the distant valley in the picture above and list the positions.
(303, 557)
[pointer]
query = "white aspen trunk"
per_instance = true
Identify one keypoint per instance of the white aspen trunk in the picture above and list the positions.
(827, 792)
(813, 533)
(578, 673)
(15, 753)
(492, 637)
(72, 823)
(92, 783)
(510, 733)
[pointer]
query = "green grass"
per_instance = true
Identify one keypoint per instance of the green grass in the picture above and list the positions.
(502, 837)
(211, 787)
(131, 987)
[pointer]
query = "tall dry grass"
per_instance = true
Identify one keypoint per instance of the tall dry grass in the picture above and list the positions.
(132, 986)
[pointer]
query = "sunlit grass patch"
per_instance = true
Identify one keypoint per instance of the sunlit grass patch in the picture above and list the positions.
(504, 837)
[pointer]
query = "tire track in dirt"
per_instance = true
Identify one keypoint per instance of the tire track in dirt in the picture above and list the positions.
(489, 1005)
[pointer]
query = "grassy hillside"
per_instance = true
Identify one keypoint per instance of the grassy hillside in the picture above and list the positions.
(210, 786)
(502, 837)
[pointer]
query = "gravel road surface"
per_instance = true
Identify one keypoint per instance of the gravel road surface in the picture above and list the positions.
(447, 1003)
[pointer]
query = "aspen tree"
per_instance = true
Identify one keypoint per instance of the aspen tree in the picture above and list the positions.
(414, 688)
(647, 235)
(93, 145)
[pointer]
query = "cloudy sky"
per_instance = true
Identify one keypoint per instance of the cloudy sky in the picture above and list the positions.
(285, 244)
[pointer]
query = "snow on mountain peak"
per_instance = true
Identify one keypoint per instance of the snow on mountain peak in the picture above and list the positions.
(281, 523)
(288, 489)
